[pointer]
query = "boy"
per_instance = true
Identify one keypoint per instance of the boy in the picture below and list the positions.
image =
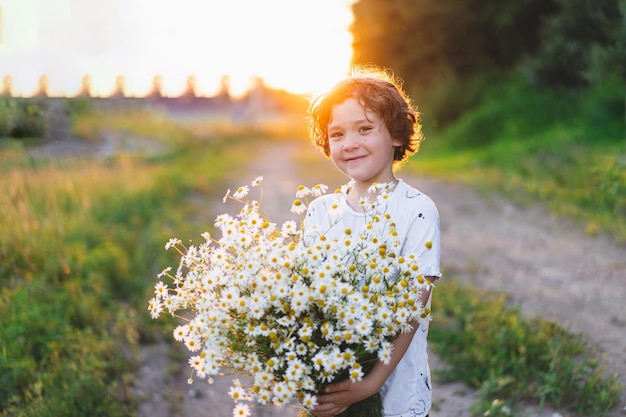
(366, 125)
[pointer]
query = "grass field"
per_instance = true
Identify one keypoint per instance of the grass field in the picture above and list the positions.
(81, 244)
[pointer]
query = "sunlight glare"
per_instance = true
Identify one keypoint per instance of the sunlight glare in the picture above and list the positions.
(300, 46)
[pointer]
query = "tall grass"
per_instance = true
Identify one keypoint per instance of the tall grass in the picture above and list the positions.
(80, 245)
(68, 260)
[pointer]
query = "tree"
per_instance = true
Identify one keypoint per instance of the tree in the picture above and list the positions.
(585, 35)
(422, 39)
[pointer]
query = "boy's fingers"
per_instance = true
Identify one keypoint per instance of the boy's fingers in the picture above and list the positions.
(338, 386)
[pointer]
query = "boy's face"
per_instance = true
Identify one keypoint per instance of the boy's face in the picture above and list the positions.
(360, 143)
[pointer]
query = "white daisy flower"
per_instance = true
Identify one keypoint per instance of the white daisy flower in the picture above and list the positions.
(309, 401)
(319, 189)
(242, 410)
(226, 196)
(172, 242)
(241, 192)
(302, 191)
(155, 307)
(298, 206)
(289, 228)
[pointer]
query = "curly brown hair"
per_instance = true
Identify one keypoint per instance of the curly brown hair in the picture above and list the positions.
(378, 91)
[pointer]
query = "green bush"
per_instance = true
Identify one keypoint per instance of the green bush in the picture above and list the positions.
(8, 116)
(512, 111)
(31, 122)
(564, 149)
(79, 106)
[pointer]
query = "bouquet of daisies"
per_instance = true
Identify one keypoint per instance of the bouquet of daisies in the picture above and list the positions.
(293, 313)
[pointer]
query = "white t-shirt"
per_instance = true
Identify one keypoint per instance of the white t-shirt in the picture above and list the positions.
(407, 391)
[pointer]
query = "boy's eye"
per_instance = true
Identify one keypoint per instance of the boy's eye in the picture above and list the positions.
(364, 129)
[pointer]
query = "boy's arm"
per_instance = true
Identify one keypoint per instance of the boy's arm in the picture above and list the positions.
(340, 395)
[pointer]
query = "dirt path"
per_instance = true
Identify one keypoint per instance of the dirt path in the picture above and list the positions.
(547, 266)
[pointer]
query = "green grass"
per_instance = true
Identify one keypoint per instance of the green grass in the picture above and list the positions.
(511, 359)
(565, 150)
(82, 243)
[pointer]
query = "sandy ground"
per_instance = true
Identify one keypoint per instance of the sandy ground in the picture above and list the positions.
(546, 265)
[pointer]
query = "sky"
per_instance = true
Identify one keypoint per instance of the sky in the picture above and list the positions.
(302, 46)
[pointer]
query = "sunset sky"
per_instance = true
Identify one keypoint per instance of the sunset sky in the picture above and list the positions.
(297, 45)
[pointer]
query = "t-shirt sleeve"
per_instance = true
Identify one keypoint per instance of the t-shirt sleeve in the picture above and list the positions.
(424, 239)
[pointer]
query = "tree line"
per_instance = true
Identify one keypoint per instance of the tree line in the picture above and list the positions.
(570, 44)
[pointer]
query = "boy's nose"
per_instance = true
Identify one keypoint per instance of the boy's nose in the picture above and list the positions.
(351, 141)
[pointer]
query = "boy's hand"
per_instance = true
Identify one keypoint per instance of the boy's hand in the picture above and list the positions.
(341, 395)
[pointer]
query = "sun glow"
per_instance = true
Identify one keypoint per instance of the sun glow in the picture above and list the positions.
(297, 45)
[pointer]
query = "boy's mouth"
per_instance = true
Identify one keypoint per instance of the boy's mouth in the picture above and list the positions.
(355, 158)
